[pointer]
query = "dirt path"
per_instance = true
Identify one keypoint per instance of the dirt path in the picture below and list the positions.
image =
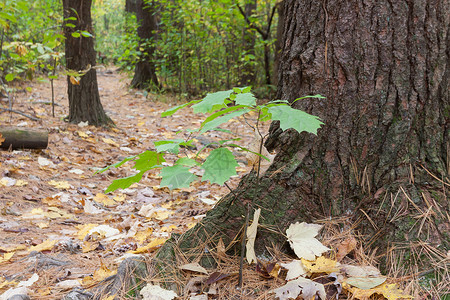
(48, 198)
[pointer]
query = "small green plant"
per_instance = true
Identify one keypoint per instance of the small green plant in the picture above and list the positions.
(220, 164)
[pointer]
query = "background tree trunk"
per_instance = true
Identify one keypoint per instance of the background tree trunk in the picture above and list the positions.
(145, 71)
(84, 99)
(383, 67)
(249, 39)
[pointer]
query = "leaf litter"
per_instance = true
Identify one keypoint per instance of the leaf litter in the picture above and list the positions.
(52, 203)
(61, 230)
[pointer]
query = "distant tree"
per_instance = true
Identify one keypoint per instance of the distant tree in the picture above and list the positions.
(84, 98)
(145, 71)
(248, 75)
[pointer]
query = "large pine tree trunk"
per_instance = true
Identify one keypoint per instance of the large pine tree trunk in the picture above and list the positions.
(84, 99)
(383, 67)
(145, 71)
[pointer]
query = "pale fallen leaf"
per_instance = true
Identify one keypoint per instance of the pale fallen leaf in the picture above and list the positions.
(194, 267)
(83, 124)
(90, 208)
(162, 215)
(14, 291)
(321, 265)
(103, 231)
(199, 297)
(76, 171)
(155, 292)
(365, 283)
(68, 284)
(360, 271)
(295, 269)
(251, 236)
(301, 237)
(44, 162)
(303, 287)
(208, 201)
(6, 181)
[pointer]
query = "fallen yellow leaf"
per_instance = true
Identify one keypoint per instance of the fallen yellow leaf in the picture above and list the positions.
(89, 246)
(321, 265)
(120, 197)
(7, 282)
(60, 184)
(83, 230)
(102, 272)
(6, 257)
(156, 243)
(46, 245)
(104, 199)
(390, 291)
(162, 215)
(168, 229)
(143, 235)
(42, 225)
(21, 183)
(52, 201)
(110, 142)
(82, 134)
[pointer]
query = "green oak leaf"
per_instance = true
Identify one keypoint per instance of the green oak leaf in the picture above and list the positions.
(176, 177)
(293, 118)
(212, 102)
(123, 183)
(219, 166)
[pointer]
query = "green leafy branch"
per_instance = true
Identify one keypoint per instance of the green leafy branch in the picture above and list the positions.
(221, 163)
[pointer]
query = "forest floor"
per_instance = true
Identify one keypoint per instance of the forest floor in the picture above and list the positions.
(59, 230)
(57, 223)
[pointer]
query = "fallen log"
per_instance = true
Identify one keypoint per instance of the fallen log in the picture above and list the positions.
(19, 138)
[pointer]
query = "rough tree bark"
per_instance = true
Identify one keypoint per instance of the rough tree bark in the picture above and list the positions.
(145, 71)
(84, 99)
(384, 69)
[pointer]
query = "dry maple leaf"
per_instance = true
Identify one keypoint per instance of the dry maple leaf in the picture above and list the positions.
(301, 287)
(301, 237)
